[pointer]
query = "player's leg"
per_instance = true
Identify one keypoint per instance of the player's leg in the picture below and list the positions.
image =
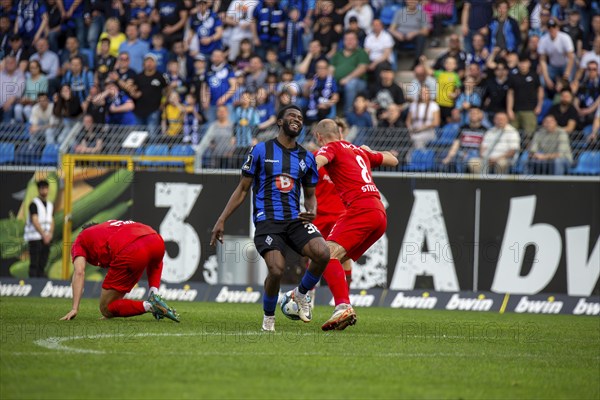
(317, 250)
(275, 265)
(347, 266)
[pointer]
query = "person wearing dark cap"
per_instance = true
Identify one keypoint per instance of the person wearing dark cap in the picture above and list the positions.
(524, 98)
(39, 230)
(557, 55)
(278, 170)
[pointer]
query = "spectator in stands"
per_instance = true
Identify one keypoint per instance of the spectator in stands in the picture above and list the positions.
(308, 65)
(239, 22)
(56, 30)
(267, 29)
(322, 95)
(564, 112)
(256, 73)
(423, 118)
(78, 79)
(589, 56)
(5, 34)
(505, 32)
(176, 82)
(525, 98)
(206, 30)
(391, 118)
(589, 43)
(31, 21)
(171, 18)
(499, 146)
(95, 105)
(35, 83)
(385, 91)
(173, 116)
(559, 12)
(517, 10)
(438, 11)
(112, 31)
(496, 90)
(120, 105)
(104, 62)
(422, 78)
(185, 63)
(12, 83)
(272, 64)
(595, 128)
(363, 12)
(294, 30)
(198, 85)
(90, 141)
(448, 86)
(360, 116)
(266, 113)
(467, 145)
(246, 119)
(479, 53)
(587, 99)
(573, 29)
(72, 12)
(467, 99)
(360, 34)
(379, 45)
(94, 16)
(67, 108)
(531, 52)
(557, 55)
(476, 18)
(42, 120)
(539, 16)
(326, 14)
(140, 12)
(136, 48)
(410, 25)
(17, 49)
(193, 120)
(151, 87)
(216, 144)
(162, 55)
(122, 75)
(146, 33)
(72, 50)
(350, 66)
(221, 84)
(550, 150)
(326, 34)
(47, 58)
(454, 50)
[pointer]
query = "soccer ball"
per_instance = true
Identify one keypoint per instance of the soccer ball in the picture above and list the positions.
(289, 308)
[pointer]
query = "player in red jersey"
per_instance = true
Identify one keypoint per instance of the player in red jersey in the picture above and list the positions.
(127, 249)
(364, 220)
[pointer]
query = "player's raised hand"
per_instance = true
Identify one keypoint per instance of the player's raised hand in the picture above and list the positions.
(217, 233)
(306, 216)
(70, 315)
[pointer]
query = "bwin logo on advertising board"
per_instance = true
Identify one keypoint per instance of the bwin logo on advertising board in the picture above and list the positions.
(468, 304)
(237, 296)
(58, 291)
(20, 290)
(583, 307)
(363, 299)
(539, 306)
(423, 302)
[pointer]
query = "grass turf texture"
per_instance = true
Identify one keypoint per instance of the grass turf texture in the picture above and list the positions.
(218, 352)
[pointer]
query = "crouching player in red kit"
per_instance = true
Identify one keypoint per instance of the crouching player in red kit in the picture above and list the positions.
(126, 249)
(364, 220)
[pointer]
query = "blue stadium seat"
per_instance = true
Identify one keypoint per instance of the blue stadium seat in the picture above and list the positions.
(7, 153)
(521, 164)
(447, 135)
(49, 155)
(181, 150)
(421, 160)
(387, 14)
(546, 105)
(588, 164)
(156, 150)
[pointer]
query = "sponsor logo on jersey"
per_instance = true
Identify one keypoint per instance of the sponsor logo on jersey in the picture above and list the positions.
(20, 290)
(237, 296)
(271, 161)
(284, 183)
(469, 304)
(549, 306)
(423, 302)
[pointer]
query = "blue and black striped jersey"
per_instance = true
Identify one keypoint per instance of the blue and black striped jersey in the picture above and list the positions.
(279, 175)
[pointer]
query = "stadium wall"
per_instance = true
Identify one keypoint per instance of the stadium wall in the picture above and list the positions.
(520, 235)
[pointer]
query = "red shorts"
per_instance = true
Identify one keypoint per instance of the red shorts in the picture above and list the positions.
(127, 267)
(358, 228)
(325, 223)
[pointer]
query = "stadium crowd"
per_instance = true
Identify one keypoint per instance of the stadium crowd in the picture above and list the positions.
(521, 74)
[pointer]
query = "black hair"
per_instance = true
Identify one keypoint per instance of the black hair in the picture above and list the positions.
(42, 183)
(282, 111)
(88, 225)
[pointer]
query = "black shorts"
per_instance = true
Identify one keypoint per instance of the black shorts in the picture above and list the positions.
(281, 235)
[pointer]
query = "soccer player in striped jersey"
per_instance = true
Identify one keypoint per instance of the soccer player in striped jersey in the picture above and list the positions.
(364, 220)
(277, 170)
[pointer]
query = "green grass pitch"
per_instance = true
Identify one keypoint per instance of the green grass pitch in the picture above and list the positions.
(218, 352)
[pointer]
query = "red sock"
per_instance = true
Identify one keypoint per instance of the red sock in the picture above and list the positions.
(126, 308)
(348, 277)
(154, 273)
(336, 280)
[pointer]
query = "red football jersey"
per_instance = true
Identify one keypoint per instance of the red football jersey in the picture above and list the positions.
(350, 169)
(99, 244)
(328, 199)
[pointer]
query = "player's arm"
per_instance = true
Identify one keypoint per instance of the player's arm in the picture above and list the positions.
(321, 161)
(76, 286)
(237, 198)
(310, 204)
(389, 160)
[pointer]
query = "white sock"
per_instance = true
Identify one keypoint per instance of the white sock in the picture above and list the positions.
(298, 294)
(147, 306)
(152, 290)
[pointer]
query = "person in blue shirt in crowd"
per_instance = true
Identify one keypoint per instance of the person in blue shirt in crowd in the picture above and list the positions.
(136, 48)
(207, 31)
(31, 20)
(120, 106)
(268, 29)
(221, 84)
